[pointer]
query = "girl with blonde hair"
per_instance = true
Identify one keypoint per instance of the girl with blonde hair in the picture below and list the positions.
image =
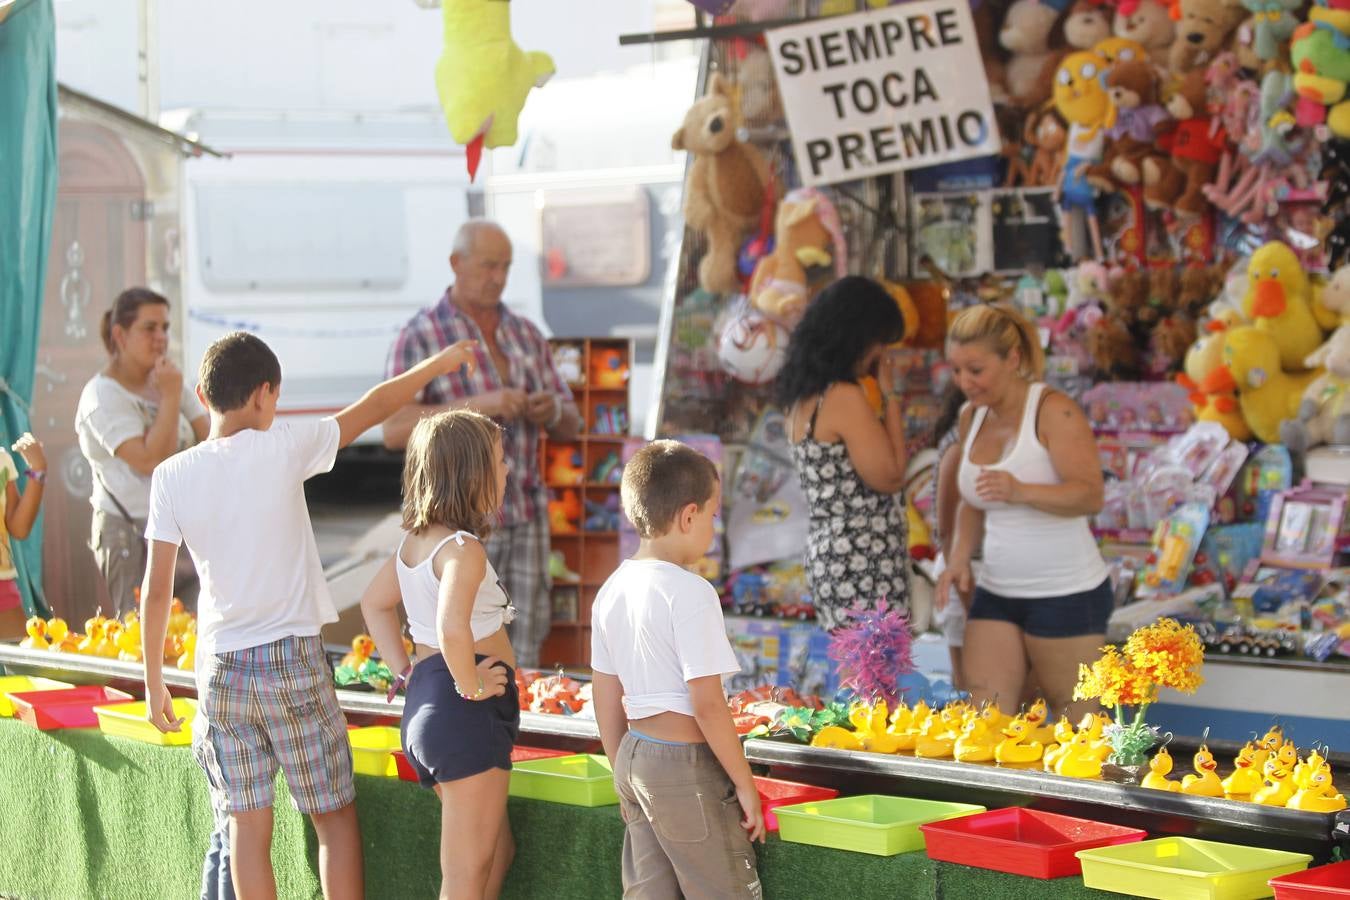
(1029, 478)
(461, 713)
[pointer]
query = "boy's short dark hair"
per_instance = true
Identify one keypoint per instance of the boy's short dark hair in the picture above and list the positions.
(660, 480)
(234, 367)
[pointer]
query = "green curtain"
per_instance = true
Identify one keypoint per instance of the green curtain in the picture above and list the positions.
(27, 202)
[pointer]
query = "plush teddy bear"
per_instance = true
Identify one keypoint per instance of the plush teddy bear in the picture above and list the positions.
(1087, 24)
(724, 191)
(1133, 85)
(1195, 147)
(1162, 291)
(1026, 34)
(1324, 412)
(807, 233)
(1202, 30)
(1148, 23)
(1197, 288)
(1114, 351)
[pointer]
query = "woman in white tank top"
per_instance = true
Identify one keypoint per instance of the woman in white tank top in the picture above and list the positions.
(1029, 478)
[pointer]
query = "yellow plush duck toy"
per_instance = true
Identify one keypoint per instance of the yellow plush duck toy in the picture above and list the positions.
(1246, 777)
(1204, 357)
(1279, 302)
(1016, 748)
(1159, 767)
(1205, 782)
(483, 77)
(1267, 394)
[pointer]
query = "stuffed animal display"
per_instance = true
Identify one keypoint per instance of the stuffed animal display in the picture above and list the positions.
(483, 77)
(807, 237)
(725, 186)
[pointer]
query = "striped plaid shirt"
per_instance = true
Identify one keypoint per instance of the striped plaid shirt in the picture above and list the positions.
(530, 368)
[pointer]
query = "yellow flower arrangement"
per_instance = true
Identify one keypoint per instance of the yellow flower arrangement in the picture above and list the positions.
(1164, 654)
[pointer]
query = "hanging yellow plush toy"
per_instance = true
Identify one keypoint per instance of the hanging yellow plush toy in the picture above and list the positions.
(483, 77)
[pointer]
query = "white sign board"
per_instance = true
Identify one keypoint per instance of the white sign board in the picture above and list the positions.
(883, 91)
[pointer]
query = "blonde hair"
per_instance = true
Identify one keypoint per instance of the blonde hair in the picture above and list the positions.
(1001, 328)
(450, 473)
(662, 479)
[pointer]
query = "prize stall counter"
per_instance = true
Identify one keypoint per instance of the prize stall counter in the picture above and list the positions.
(81, 790)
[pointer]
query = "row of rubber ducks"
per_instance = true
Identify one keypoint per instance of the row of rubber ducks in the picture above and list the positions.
(969, 733)
(1267, 772)
(115, 638)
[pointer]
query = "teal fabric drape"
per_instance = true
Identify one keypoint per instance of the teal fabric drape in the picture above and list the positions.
(27, 200)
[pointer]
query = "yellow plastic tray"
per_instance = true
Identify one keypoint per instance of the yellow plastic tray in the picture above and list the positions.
(373, 750)
(17, 684)
(1177, 868)
(128, 720)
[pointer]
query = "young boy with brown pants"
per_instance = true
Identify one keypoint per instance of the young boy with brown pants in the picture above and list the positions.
(659, 649)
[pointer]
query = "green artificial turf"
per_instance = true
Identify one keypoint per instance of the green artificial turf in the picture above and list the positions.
(88, 816)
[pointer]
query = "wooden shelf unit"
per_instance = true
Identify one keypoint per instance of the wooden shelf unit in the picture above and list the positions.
(592, 554)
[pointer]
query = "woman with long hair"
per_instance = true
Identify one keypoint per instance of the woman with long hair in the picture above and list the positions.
(1029, 477)
(850, 462)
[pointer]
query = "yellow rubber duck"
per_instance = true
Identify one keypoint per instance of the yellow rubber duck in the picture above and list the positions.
(60, 634)
(1278, 787)
(1205, 782)
(1279, 303)
(1267, 395)
(129, 641)
(186, 661)
(1317, 793)
(901, 717)
(1036, 717)
(1272, 740)
(1080, 758)
(876, 737)
(1016, 746)
(107, 647)
(1304, 769)
(362, 648)
(976, 743)
(837, 737)
(37, 634)
(1063, 733)
(938, 741)
(1246, 777)
(93, 636)
(1159, 767)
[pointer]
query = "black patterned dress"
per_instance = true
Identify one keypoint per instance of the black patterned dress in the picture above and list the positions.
(857, 543)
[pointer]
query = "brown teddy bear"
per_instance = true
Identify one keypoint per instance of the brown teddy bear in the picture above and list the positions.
(1112, 347)
(1202, 31)
(1127, 295)
(724, 192)
(1194, 147)
(1133, 85)
(1197, 287)
(1147, 22)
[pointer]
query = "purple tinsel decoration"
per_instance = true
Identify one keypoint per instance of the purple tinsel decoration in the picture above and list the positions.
(873, 651)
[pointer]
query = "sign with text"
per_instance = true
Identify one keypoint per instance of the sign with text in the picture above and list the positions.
(883, 91)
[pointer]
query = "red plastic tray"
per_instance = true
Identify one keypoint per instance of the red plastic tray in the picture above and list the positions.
(71, 708)
(1316, 883)
(774, 793)
(1022, 841)
(405, 769)
(523, 754)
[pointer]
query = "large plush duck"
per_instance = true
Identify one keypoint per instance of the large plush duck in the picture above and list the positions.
(1279, 302)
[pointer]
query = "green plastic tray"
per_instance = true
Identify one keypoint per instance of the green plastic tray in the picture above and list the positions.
(1177, 868)
(872, 823)
(581, 780)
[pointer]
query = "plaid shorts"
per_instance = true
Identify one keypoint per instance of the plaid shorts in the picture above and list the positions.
(268, 707)
(519, 555)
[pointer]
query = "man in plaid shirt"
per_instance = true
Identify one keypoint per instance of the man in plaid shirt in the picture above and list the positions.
(515, 382)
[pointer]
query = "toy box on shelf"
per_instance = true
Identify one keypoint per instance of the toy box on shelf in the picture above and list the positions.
(583, 486)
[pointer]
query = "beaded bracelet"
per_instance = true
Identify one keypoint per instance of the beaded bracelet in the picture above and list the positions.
(476, 694)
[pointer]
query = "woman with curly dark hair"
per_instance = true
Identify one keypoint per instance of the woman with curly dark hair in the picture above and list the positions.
(851, 464)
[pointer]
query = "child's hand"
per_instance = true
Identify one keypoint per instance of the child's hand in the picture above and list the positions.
(492, 675)
(753, 822)
(160, 710)
(30, 449)
(460, 353)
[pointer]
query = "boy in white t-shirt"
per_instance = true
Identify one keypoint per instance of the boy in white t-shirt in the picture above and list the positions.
(659, 650)
(264, 687)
